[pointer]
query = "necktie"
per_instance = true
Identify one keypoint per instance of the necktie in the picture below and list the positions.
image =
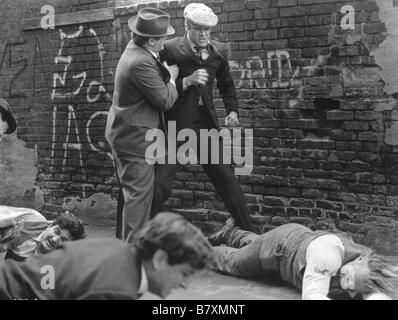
(202, 53)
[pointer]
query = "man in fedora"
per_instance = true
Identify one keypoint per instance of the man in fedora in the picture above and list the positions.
(7, 121)
(144, 89)
(201, 61)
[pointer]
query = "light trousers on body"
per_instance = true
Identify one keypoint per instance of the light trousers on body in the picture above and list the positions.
(246, 254)
(136, 178)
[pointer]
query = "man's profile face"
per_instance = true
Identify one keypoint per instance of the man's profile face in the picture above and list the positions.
(53, 237)
(167, 277)
(199, 35)
(158, 44)
(353, 275)
(175, 277)
(3, 125)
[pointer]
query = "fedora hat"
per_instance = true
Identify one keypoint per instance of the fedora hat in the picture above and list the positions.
(6, 114)
(151, 22)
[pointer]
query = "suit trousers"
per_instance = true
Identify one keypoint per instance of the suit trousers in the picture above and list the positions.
(136, 178)
(221, 175)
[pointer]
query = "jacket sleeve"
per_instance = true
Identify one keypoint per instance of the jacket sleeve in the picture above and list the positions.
(225, 84)
(165, 55)
(159, 94)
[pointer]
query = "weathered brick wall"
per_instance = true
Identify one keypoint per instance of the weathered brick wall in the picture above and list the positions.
(321, 100)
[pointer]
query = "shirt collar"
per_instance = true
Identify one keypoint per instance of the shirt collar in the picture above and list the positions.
(38, 237)
(154, 54)
(144, 281)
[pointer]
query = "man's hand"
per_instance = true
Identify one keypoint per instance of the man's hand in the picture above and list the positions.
(174, 70)
(198, 78)
(232, 119)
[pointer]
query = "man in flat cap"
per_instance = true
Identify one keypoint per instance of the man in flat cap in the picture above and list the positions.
(7, 121)
(144, 89)
(201, 61)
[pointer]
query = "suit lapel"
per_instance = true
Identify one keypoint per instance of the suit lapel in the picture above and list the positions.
(166, 73)
(185, 46)
(212, 52)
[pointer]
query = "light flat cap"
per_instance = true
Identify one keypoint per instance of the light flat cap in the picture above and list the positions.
(200, 14)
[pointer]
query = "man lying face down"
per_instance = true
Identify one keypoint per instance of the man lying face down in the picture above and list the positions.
(25, 232)
(318, 262)
(164, 253)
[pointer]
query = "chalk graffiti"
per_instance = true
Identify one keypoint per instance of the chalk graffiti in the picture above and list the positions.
(36, 54)
(95, 83)
(280, 55)
(101, 146)
(278, 73)
(67, 60)
(253, 76)
(67, 86)
(15, 58)
(69, 145)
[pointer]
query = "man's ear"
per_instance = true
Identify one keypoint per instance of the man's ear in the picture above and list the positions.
(186, 26)
(159, 259)
(151, 41)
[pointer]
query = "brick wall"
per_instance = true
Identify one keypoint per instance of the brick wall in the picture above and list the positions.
(321, 99)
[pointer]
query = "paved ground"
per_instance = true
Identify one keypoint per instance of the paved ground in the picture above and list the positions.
(209, 285)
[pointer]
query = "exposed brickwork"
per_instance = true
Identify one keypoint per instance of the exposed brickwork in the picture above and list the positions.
(325, 153)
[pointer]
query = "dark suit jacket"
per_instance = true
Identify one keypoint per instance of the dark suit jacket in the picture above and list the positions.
(178, 51)
(84, 269)
(142, 93)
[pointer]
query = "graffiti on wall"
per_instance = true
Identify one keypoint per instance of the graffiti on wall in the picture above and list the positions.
(254, 74)
(13, 58)
(276, 71)
(72, 83)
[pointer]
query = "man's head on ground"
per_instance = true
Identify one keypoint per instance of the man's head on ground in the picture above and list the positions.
(171, 249)
(150, 28)
(371, 274)
(65, 227)
(199, 21)
(7, 120)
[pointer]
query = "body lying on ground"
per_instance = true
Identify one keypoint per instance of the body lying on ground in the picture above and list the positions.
(25, 232)
(317, 262)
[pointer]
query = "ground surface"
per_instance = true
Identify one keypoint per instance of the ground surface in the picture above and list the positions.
(209, 285)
